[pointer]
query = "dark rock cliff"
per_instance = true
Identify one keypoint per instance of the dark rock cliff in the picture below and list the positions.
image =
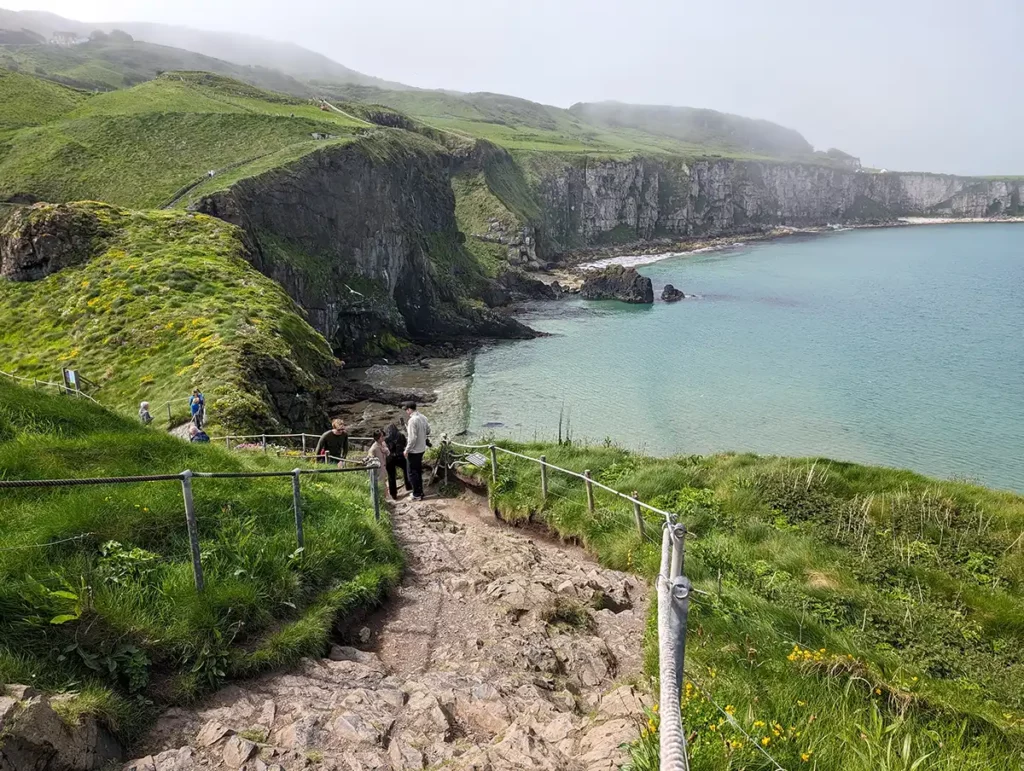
(364, 237)
(617, 283)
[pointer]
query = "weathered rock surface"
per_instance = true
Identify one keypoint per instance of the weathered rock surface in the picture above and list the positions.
(617, 283)
(39, 240)
(464, 672)
(670, 294)
(33, 737)
(364, 237)
(582, 204)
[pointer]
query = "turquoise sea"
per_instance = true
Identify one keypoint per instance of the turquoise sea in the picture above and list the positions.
(900, 346)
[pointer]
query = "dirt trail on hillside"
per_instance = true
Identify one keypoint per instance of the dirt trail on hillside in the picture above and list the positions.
(463, 667)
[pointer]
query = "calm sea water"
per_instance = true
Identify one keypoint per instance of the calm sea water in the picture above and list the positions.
(901, 347)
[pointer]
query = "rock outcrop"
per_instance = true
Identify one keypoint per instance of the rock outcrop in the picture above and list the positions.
(617, 283)
(591, 202)
(39, 240)
(670, 294)
(472, 667)
(34, 737)
(364, 237)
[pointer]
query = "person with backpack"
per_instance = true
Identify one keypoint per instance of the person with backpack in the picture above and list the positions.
(197, 406)
(395, 442)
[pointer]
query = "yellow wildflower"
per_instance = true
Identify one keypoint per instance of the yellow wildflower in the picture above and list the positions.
(651, 728)
(805, 756)
(655, 707)
(713, 727)
(878, 691)
(730, 709)
(766, 741)
(800, 703)
(758, 724)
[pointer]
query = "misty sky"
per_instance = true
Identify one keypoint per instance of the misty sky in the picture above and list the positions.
(924, 85)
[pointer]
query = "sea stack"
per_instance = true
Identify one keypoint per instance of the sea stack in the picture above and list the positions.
(618, 283)
(670, 294)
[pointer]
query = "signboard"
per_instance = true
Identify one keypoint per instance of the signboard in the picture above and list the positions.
(71, 380)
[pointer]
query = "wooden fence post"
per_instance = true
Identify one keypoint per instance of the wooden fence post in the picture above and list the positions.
(193, 529)
(544, 477)
(494, 464)
(374, 495)
(590, 491)
(170, 417)
(638, 515)
(263, 441)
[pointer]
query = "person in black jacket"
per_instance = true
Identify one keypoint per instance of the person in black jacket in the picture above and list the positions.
(395, 441)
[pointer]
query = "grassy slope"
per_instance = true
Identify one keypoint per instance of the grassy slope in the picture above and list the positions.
(905, 593)
(124, 623)
(139, 147)
(110, 64)
(29, 101)
(165, 303)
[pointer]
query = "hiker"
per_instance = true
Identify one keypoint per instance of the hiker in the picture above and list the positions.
(379, 450)
(197, 405)
(144, 415)
(418, 429)
(395, 441)
(196, 434)
(333, 445)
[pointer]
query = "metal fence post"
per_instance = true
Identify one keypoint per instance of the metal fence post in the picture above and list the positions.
(297, 505)
(303, 445)
(671, 621)
(263, 441)
(590, 491)
(544, 477)
(494, 464)
(446, 457)
(638, 515)
(170, 417)
(193, 528)
(678, 533)
(374, 496)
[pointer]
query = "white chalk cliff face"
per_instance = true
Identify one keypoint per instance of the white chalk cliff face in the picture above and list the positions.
(591, 202)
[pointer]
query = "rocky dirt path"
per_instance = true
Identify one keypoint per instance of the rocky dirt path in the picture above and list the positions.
(499, 651)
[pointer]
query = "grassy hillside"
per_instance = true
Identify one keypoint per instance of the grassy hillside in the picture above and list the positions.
(698, 127)
(109, 64)
(868, 618)
(96, 584)
(28, 101)
(141, 146)
(164, 302)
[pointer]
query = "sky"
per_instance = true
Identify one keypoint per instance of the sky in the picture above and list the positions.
(914, 85)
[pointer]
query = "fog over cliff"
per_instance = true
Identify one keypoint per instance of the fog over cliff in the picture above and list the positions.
(911, 84)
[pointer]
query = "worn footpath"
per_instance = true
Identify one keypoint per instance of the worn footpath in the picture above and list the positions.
(499, 651)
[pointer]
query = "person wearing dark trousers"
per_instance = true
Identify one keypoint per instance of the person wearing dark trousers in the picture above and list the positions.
(395, 441)
(333, 445)
(418, 429)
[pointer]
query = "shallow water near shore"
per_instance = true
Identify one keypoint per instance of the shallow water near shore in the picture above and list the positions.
(901, 347)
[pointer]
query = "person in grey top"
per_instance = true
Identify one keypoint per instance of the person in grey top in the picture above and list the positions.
(418, 430)
(144, 415)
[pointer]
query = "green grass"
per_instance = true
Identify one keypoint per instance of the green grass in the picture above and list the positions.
(868, 616)
(140, 147)
(114, 614)
(110, 64)
(28, 101)
(165, 302)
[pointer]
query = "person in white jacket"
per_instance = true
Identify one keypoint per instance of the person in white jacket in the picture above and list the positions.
(418, 429)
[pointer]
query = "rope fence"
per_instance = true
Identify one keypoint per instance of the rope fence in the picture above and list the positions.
(185, 480)
(673, 587)
(61, 388)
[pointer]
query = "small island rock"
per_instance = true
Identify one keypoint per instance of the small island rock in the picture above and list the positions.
(617, 283)
(670, 294)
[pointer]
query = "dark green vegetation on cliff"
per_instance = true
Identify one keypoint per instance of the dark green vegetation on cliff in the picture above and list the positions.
(146, 305)
(114, 614)
(868, 617)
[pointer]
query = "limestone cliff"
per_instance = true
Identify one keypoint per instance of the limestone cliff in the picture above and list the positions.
(585, 201)
(364, 237)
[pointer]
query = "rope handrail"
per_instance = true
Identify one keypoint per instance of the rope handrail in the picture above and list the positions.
(669, 517)
(282, 436)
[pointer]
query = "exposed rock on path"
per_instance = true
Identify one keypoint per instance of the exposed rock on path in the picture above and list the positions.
(492, 655)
